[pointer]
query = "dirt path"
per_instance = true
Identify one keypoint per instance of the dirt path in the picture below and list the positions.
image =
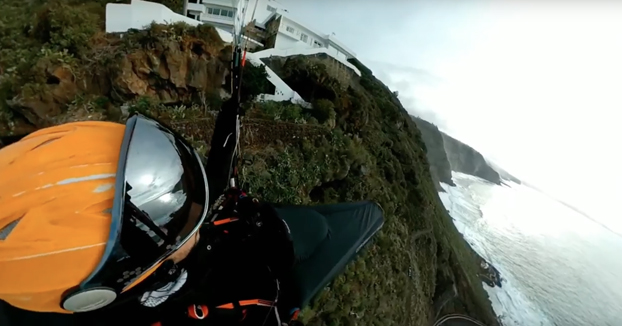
(254, 132)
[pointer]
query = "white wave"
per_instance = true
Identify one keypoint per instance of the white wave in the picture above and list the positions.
(559, 268)
(510, 305)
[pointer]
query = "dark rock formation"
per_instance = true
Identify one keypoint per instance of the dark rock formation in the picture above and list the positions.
(489, 274)
(505, 175)
(463, 158)
(447, 154)
(141, 64)
(435, 151)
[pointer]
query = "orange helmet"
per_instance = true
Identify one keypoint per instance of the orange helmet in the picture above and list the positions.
(90, 209)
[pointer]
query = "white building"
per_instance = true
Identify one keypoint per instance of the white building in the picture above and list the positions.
(265, 8)
(220, 13)
(288, 32)
(281, 29)
(284, 32)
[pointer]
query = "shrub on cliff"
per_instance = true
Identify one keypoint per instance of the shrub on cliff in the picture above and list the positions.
(280, 111)
(53, 52)
(323, 110)
(62, 27)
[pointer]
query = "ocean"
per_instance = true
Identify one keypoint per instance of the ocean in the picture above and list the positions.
(558, 267)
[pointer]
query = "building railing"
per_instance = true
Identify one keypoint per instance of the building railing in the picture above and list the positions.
(196, 7)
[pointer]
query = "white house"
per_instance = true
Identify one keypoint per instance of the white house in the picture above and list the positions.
(272, 19)
(222, 13)
(219, 13)
(284, 32)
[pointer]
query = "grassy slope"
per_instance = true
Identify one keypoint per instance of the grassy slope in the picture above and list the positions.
(360, 145)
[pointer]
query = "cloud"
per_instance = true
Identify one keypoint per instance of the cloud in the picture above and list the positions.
(405, 71)
(408, 81)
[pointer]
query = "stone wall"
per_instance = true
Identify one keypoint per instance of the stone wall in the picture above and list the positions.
(336, 69)
(344, 75)
(257, 34)
(272, 29)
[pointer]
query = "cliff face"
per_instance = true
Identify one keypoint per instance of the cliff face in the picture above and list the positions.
(465, 159)
(505, 175)
(447, 154)
(153, 65)
(435, 151)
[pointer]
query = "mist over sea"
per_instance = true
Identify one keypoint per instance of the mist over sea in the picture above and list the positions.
(558, 267)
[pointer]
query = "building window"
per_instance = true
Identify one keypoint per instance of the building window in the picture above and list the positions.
(191, 16)
(220, 12)
(195, 1)
(290, 29)
(317, 44)
(270, 8)
(304, 37)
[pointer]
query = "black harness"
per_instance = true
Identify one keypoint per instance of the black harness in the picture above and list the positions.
(243, 251)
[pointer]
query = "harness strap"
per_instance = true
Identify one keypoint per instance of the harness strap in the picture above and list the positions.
(200, 312)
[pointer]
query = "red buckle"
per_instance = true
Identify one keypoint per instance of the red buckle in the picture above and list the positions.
(295, 315)
(198, 311)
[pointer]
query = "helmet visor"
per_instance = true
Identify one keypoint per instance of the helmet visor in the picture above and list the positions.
(161, 198)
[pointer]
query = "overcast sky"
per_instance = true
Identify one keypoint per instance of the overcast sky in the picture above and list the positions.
(534, 85)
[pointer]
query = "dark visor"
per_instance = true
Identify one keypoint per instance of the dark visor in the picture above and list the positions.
(160, 202)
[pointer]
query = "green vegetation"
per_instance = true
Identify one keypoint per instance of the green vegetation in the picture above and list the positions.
(57, 66)
(280, 111)
(324, 110)
(255, 82)
(54, 52)
(320, 113)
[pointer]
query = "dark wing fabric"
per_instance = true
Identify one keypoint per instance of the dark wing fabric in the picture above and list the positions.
(326, 238)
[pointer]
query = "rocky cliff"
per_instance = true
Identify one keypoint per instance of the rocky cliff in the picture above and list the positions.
(435, 151)
(505, 175)
(465, 159)
(447, 154)
(357, 143)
